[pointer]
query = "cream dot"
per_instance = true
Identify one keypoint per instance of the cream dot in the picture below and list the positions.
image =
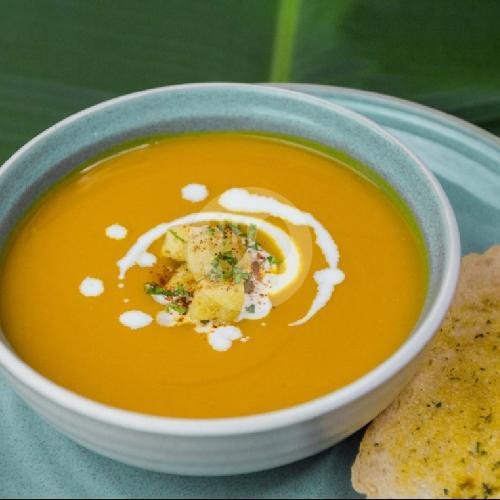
(135, 319)
(91, 287)
(164, 318)
(221, 339)
(116, 232)
(194, 192)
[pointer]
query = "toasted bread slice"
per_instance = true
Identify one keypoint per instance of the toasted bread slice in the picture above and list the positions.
(441, 437)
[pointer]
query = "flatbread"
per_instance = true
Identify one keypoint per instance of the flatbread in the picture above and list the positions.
(441, 437)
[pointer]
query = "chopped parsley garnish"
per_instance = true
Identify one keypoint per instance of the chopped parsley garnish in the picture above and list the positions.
(252, 232)
(235, 228)
(250, 309)
(272, 260)
(179, 308)
(155, 289)
(220, 271)
(252, 237)
(210, 230)
(176, 235)
(225, 267)
(179, 296)
(228, 257)
(239, 275)
(215, 274)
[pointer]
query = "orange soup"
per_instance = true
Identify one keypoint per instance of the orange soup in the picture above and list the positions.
(198, 276)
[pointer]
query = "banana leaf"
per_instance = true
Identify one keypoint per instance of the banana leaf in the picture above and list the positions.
(59, 56)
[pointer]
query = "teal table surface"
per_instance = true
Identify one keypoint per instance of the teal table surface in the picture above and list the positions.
(36, 461)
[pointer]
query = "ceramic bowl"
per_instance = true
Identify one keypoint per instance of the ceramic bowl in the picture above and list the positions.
(232, 445)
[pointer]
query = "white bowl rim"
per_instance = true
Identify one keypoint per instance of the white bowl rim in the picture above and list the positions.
(277, 419)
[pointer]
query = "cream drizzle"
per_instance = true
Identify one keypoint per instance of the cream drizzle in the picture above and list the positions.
(165, 318)
(147, 259)
(241, 200)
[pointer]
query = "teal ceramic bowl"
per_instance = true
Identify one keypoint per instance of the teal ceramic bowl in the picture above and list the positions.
(232, 445)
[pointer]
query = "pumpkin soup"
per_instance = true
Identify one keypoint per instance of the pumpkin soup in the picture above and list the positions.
(213, 275)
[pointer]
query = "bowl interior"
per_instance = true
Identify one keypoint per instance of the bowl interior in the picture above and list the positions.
(212, 107)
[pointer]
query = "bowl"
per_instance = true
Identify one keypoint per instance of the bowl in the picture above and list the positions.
(244, 444)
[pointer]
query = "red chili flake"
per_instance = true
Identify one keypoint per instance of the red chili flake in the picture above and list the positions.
(255, 267)
(249, 286)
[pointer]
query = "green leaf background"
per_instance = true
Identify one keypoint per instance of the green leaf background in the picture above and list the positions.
(59, 56)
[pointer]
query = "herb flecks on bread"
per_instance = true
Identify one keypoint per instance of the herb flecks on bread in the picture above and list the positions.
(441, 437)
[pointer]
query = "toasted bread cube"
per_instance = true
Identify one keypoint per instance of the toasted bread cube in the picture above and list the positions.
(204, 246)
(217, 301)
(175, 244)
(182, 278)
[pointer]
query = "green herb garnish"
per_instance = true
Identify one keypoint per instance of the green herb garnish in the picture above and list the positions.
(252, 232)
(228, 257)
(235, 228)
(177, 308)
(155, 289)
(225, 267)
(272, 260)
(176, 236)
(250, 309)
(252, 236)
(239, 275)
(220, 227)
(215, 273)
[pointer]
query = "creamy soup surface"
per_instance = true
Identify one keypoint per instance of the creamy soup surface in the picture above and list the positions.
(217, 317)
